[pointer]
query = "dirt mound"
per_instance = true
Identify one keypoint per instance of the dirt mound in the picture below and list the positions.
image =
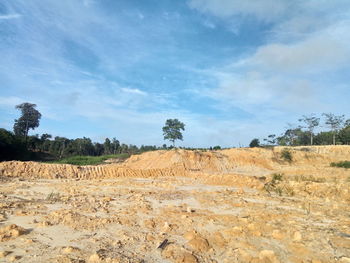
(244, 161)
(234, 205)
(54, 171)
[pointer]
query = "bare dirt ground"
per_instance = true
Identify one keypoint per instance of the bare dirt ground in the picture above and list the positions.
(233, 210)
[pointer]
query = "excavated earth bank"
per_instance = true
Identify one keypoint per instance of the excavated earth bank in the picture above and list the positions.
(235, 205)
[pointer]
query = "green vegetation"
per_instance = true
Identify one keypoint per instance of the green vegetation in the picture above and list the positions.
(277, 177)
(53, 197)
(311, 178)
(286, 155)
(311, 122)
(338, 132)
(254, 143)
(172, 130)
(276, 186)
(335, 123)
(91, 160)
(342, 164)
(273, 185)
(29, 119)
(18, 145)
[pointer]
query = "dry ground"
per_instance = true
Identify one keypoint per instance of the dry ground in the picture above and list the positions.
(204, 218)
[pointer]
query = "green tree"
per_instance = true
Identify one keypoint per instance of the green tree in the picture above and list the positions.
(323, 138)
(344, 135)
(33, 143)
(347, 123)
(115, 145)
(290, 137)
(271, 139)
(10, 147)
(334, 123)
(107, 146)
(311, 122)
(29, 119)
(254, 143)
(172, 130)
(45, 137)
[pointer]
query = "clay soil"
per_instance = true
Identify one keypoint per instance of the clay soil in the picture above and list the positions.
(237, 205)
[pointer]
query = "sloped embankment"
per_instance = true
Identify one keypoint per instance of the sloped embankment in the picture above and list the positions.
(35, 170)
(243, 161)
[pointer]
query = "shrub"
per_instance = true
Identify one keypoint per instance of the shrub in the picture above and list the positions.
(53, 197)
(343, 164)
(311, 178)
(277, 177)
(254, 143)
(91, 160)
(273, 185)
(286, 155)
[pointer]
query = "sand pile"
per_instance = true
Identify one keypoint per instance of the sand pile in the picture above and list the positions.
(235, 205)
(245, 161)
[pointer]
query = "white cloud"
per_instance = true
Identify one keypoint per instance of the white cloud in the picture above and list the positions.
(209, 24)
(10, 101)
(266, 10)
(327, 49)
(305, 47)
(10, 16)
(134, 91)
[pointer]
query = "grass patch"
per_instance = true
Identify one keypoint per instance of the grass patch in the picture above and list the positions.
(91, 160)
(286, 155)
(277, 177)
(310, 178)
(276, 186)
(273, 185)
(53, 197)
(343, 164)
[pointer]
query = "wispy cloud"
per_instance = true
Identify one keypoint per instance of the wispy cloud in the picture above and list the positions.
(134, 91)
(9, 16)
(224, 67)
(267, 10)
(10, 101)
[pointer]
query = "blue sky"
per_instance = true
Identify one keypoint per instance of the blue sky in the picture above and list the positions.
(231, 70)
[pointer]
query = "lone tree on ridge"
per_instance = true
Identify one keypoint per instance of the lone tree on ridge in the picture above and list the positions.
(29, 119)
(311, 122)
(172, 130)
(334, 123)
(254, 143)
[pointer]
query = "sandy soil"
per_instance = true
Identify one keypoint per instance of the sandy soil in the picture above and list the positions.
(197, 217)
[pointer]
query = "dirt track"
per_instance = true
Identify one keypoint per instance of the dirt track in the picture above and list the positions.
(211, 207)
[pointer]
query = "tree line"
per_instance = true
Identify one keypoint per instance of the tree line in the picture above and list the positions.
(43, 146)
(19, 145)
(338, 132)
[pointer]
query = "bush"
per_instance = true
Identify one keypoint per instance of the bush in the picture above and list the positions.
(286, 155)
(343, 164)
(53, 197)
(277, 177)
(254, 143)
(91, 160)
(12, 147)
